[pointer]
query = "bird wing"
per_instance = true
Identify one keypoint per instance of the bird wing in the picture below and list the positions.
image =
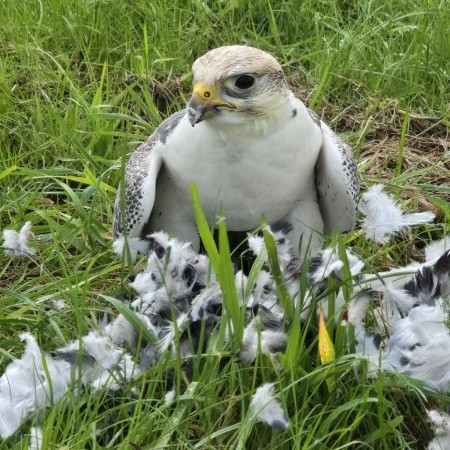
(132, 212)
(337, 181)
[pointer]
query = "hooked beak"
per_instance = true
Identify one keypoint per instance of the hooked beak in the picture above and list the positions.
(203, 104)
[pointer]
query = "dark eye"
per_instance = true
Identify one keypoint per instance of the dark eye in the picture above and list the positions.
(244, 82)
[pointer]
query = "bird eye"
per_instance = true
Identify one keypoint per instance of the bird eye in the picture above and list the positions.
(244, 82)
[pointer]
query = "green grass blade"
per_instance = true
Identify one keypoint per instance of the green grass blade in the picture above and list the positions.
(282, 292)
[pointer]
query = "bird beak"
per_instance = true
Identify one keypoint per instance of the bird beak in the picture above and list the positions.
(203, 103)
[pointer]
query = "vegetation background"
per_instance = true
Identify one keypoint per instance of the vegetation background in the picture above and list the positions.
(83, 81)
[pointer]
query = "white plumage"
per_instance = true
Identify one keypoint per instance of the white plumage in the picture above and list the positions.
(436, 248)
(28, 385)
(25, 387)
(36, 438)
(440, 422)
(267, 336)
(413, 314)
(267, 409)
(383, 218)
(169, 332)
(169, 398)
(16, 243)
(411, 336)
(329, 263)
(251, 147)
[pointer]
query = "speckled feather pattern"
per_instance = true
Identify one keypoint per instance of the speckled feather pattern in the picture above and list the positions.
(315, 118)
(269, 102)
(348, 163)
(136, 171)
(350, 169)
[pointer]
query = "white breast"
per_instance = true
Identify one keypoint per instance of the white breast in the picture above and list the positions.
(249, 170)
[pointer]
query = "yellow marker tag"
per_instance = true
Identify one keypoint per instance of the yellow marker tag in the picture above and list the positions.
(326, 347)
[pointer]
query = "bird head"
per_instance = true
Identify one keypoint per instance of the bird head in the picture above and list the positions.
(236, 84)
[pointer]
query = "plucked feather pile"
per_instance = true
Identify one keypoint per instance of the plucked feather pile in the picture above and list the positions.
(177, 292)
(179, 298)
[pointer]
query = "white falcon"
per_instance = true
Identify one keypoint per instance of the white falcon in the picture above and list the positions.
(251, 147)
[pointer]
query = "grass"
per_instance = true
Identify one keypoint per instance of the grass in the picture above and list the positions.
(81, 82)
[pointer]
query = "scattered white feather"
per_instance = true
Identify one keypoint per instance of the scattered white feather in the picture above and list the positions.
(440, 423)
(266, 408)
(144, 283)
(329, 262)
(204, 271)
(413, 312)
(395, 277)
(429, 364)
(355, 263)
(16, 243)
(163, 239)
(212, 295)
(102, 358)
(240, 281)
(442, 271)
(59, 305)
(135, 246)
(436, 249)
(169, 397)
(422, 326)
(265, 294)
(413, 317)
(400, 298)
(383, 217)
(285, 251)
(366, 342)
(25, 386)
(286, 254)
(268, 340)
(179, 267)
(169, 332)
(256, 244)
(144, 304)
(357, 308)
(36, 437)
(121, 331)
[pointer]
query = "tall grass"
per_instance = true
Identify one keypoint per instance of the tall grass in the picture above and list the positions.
(78, 91)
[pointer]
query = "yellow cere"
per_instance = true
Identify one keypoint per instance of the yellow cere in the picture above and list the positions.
(204, 90)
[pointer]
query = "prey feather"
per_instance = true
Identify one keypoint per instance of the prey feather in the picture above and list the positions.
(36, 438)
(383, 218)
(16, 243)
(266, 408)
(440, 423)
(177, 294)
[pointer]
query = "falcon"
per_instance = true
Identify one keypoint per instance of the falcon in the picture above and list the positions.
(252, 149)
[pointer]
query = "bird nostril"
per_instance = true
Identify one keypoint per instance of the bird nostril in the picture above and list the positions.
(207, 94)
